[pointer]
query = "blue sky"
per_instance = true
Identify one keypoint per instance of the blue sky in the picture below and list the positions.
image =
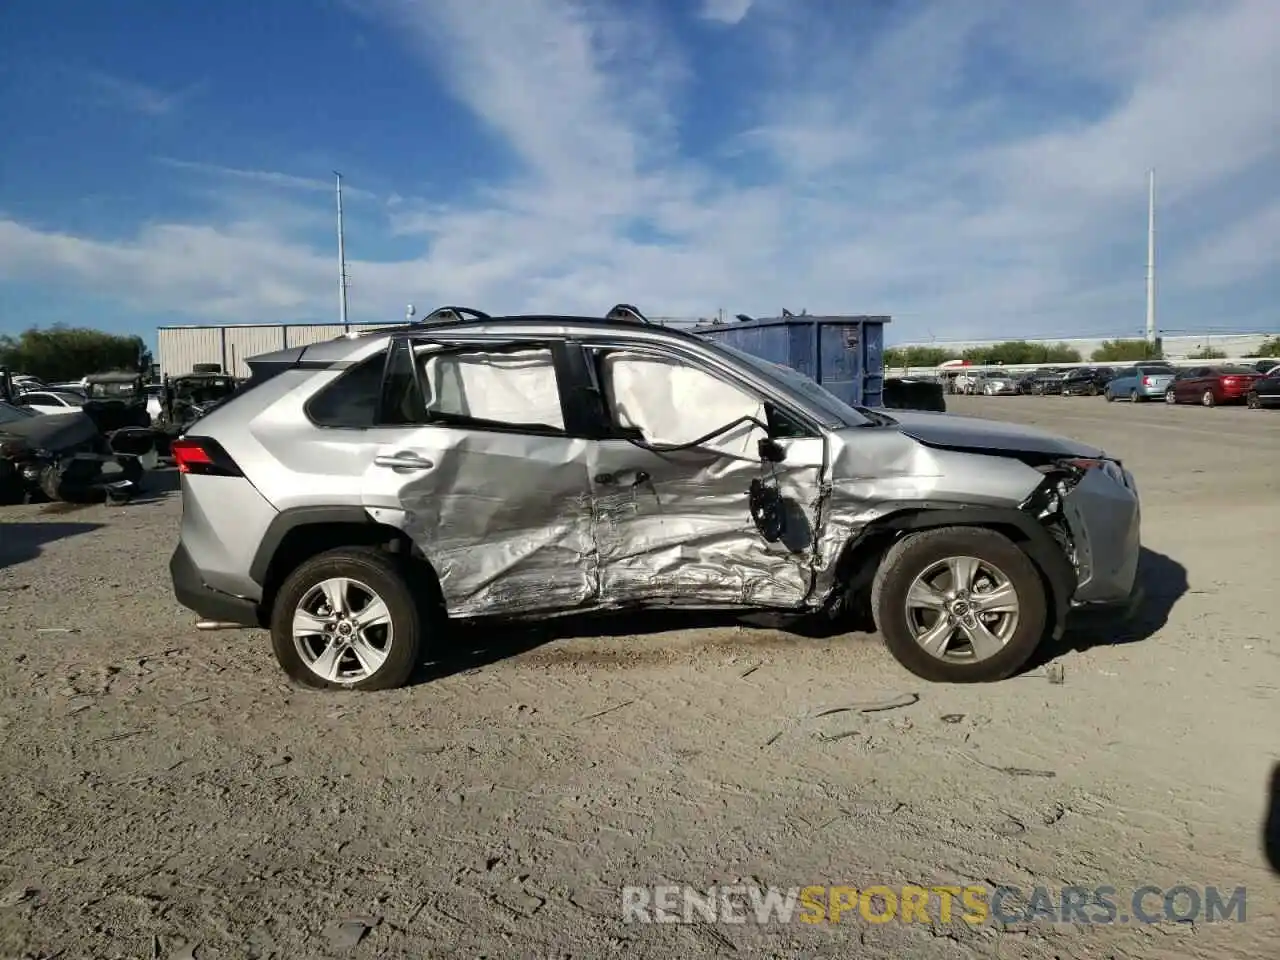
(975, 169)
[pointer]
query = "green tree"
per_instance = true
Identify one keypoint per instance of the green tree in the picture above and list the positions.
(1127, 351)
(896, 357)
(1021, 351)
(69, 353)
(1267, 348)
(1207, 353)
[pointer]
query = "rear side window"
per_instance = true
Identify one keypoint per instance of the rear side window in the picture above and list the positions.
(352, 399)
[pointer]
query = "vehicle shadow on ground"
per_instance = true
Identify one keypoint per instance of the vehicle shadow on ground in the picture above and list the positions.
(479, 643)
(1163, 581)
(22, 541)
(1271, 827)
(157, 485)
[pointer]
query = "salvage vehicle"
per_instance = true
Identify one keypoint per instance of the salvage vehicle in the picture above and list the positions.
(186, 398)
(116, 399)
(1265, 392)
(1086, 381)
(49, 401)
(1143, 381)
(1046, 381)
(66, 457)
(998, 385)
(357, 495)
(1211, 386)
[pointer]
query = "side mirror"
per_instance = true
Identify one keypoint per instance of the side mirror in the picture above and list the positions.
(771, 450)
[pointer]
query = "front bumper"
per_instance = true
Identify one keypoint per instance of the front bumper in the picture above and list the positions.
(1105, 519)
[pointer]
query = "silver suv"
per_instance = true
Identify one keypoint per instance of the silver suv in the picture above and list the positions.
(358, 494)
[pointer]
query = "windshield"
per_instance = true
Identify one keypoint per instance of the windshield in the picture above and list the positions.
(9, 413)
(835, 412)
(112, 391)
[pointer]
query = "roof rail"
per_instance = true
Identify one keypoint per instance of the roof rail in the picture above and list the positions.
(453, 314)
(626, 313)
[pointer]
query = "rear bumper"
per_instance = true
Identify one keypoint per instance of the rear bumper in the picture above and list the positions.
(191, 591)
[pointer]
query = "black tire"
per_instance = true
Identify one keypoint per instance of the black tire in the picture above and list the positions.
(1170, 397)
(385, 576)
(1252, 400)
(911, 556)
(1207, 399)
(1110, 397)
(1134, 397)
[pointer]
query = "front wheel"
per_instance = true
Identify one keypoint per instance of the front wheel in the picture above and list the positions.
(959, 605)
(348, 619)
(1109, 396)
(1207, 399)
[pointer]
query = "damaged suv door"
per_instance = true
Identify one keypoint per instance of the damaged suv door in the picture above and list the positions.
(473, 461)
(706, 494)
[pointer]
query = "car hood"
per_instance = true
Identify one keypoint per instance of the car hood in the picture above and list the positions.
(50, 431)
(969, 433)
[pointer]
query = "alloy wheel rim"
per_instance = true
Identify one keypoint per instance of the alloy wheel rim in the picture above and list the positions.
(962, 609)
(342, 630)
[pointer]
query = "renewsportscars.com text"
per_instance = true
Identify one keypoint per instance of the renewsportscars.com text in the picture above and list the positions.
(974, 904)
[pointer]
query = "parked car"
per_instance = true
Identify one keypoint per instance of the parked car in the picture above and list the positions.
(358, 494)
(1265, 391)
(49, 401)
(1086, 381)
(1042, 382)
(1210, 386)
(1266, 365)
(998, 385)
(1145, 381)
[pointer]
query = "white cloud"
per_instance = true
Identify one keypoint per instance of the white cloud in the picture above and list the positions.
(268, 178)
(135, 96)
(725, 11)
(972, 169)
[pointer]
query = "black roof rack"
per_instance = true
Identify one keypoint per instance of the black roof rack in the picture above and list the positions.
(626, 313)
(453, 315)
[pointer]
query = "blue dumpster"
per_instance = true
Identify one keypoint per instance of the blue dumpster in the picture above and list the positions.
(844, 354)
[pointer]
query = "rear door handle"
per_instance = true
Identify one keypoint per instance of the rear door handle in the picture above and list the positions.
(404, 460)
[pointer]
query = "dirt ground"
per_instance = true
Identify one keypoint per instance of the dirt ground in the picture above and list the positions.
(169, 794)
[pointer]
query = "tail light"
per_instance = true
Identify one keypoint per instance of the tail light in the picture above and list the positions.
(202, 456)
(1146, 381)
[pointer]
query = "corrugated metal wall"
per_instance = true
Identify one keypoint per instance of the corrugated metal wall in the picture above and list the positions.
(180, 348)
(301, 334)
(245, 342)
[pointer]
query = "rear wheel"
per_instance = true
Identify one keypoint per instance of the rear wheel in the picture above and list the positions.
(1133, 396)
(959, 605)
(1253, 401)
(1207, 398)
(347, 619)
(1170, 397)
(1093, 390)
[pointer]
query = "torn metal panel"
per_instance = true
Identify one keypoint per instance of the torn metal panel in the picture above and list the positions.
(675, 523)
(1104, 518)
(505, 519)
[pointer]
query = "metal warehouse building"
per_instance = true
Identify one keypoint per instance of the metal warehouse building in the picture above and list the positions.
(179, 349)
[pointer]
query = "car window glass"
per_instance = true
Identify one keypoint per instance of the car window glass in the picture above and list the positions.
(351, 400)
(41, 398)
(672, 403)
(516, 388)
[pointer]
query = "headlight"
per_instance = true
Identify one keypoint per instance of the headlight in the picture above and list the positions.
(1112, 468)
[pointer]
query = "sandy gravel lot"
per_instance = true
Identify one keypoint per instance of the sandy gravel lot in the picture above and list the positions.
(169, 794)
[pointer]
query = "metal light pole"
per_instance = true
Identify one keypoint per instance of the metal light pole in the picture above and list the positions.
(1151, 258)
(342, 259)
